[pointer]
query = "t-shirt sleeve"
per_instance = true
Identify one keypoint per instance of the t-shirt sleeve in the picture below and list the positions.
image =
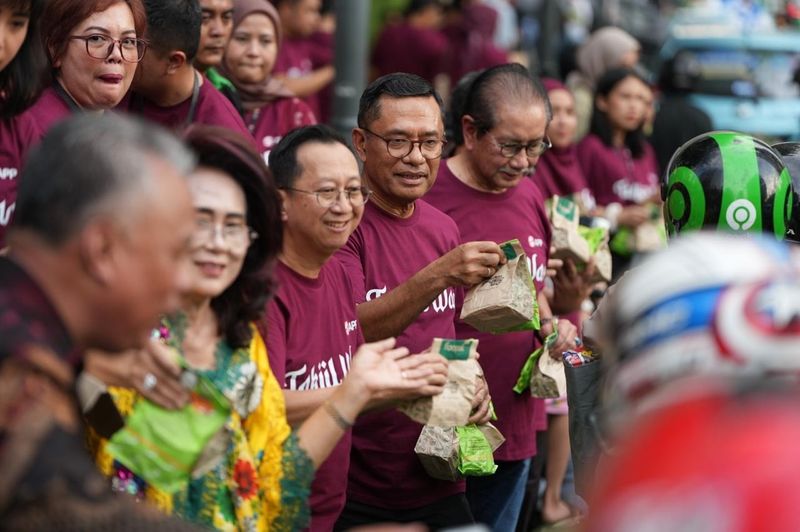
(275, 331)
(350, 258)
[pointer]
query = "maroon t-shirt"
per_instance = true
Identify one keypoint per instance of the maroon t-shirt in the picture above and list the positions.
(213, 108)
(298, 57)
(517, 213)
(268, 124)
(17, 136)
(403, 48)
(613, 175)
(384, 252)
(311, 335)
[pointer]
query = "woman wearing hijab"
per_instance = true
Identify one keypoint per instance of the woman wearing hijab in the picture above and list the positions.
(605, 49)
(270, 109)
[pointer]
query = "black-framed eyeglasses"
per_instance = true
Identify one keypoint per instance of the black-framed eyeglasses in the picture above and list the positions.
(400, 147)
(101, 46)
(237, 237)
(326, 197)
(532, 149)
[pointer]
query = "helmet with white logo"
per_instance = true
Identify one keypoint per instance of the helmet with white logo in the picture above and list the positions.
(711, 304)
(790, 153)
(727, 181)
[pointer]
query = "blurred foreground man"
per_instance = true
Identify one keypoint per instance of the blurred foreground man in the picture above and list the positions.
(90, 266)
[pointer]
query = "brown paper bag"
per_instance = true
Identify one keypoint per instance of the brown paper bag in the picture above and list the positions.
(453, 406)
(567, 243)
(437, 449)
(505, 300)
(554, 369)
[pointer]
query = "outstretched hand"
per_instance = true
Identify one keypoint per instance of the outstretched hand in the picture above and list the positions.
(382, 371)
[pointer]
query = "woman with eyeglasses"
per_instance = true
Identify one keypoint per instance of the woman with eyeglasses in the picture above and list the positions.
(92, 48)
(270, 109)
(255, 472)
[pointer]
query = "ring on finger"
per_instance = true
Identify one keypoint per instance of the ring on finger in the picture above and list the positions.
(403, 375)
(150, 381)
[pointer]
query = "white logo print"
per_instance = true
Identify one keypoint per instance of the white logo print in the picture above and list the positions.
(535, 242)
(350, 326)
(375, 293)
(8, 173)
(741, 215)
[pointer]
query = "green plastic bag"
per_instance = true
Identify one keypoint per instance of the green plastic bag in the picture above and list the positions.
(474, 452)
(162, 446)
(530, 366)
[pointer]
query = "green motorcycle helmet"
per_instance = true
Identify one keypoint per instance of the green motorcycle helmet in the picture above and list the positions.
(790, 153)
(727, 181)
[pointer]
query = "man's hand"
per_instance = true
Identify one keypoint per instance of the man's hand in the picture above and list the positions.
(571, 287)
(480, 404)
(470, 263)
(567, 335)
(153, 372)
(381, 371)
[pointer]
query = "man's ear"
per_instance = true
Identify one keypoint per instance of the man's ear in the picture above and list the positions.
(469, 131)
(97, 248)
(360, 143)
(284, 195)
(175, 61)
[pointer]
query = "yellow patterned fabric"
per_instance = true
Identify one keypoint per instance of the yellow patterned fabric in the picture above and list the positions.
(258, 480)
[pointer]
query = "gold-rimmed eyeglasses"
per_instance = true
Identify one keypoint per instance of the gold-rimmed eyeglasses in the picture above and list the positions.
(532, 149)
(101, 46)
(399, 147)
(237, 236)
(326, 197)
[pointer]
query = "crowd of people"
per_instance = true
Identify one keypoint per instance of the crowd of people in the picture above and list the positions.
(215, 309)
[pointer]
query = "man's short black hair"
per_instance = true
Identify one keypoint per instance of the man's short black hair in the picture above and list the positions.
(283, 157)
(88, 165)
(396, 85)
(174, 25)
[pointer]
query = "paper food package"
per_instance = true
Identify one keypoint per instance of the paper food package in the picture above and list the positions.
(453, 406)
(505, 300)
(566, 241)
(453, 453)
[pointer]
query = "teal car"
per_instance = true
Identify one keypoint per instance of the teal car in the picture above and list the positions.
(744, 82)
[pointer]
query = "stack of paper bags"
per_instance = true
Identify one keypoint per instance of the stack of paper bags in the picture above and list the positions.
(572, 241)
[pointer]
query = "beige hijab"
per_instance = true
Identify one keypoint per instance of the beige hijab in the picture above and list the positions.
(603, 50)
(256, 95)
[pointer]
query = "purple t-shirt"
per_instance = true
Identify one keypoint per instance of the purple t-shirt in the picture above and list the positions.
(384, 252)
(298, 57)
(517, 213)
(268, 124)
(17, 136)
(404, 48)
(213, 108)
(311, 335)
(613, 175)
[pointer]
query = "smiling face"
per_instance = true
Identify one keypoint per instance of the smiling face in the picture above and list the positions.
(13, 28)
(564, 124)
(215, 32)
(312, 231)
(252, 50)
(220, 210)
(626, 105)
(400, 181)
(98, 83)
(518, 124)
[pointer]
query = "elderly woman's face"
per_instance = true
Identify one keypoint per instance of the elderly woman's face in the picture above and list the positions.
(98, 83)
(221, 237)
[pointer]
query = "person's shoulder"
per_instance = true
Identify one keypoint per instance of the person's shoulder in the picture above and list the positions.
(432, 216)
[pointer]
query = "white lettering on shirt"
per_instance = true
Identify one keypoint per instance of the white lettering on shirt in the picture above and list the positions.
(324, 374)
(443, 302)
(375, 293)
(8, 173)
(5, 213)
(632, 191)
(350, 326)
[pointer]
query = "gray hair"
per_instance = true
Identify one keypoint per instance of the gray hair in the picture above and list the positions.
(86, 165)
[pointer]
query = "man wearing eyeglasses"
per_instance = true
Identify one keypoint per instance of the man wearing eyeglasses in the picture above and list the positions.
(312, 329)
(407, 264)
(167, 88)
(486, 189)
